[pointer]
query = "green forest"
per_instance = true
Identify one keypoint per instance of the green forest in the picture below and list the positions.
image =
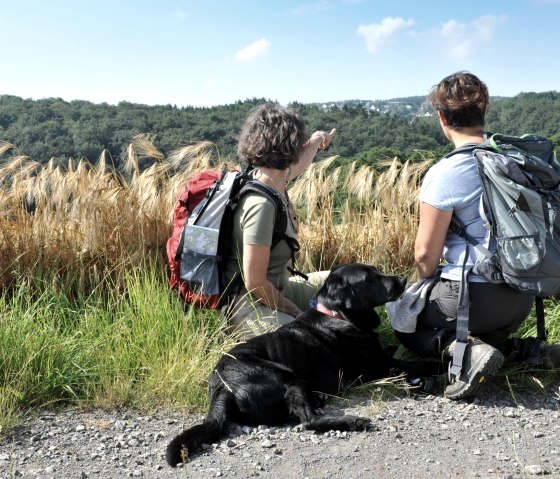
(367, 131)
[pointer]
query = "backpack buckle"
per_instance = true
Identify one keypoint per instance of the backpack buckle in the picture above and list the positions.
(497, 276)
(456, 364)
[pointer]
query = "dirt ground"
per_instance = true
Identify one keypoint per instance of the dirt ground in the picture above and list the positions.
(500, 434)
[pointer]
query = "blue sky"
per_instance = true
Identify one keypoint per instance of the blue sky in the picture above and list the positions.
(213, 52)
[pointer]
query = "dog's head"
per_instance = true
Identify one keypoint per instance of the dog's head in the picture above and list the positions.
(356, 289)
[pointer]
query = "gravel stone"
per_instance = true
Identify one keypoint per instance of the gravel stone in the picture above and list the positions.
(496, 435)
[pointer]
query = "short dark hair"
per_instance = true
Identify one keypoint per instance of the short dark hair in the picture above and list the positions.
(462, 98)
(272, 136)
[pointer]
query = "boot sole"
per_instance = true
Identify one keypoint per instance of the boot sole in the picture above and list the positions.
(490, 366)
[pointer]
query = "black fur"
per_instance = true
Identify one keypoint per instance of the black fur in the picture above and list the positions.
(278, 376)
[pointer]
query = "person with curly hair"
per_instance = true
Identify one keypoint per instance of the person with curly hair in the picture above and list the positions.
(274, 143)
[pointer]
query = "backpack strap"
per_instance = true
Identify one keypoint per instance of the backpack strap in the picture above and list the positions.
(535, 355)
(281, 221)
(463, 313)
(494, 275)
(459, 229)
(462, 329)
(463, 304)
(467, 147)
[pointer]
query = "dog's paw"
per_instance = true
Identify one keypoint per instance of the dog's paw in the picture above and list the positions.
(319, 400)
(358, 423)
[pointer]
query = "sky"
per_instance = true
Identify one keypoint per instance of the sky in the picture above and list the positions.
(217, 52)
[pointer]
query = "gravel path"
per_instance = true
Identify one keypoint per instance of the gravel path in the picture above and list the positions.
(498, 435)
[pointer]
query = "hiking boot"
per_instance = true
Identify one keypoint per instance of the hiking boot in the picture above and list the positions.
(480, 360)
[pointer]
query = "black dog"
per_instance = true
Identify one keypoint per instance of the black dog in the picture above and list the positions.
(278, 376)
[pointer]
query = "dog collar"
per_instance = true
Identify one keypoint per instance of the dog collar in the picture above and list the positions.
(329, 312)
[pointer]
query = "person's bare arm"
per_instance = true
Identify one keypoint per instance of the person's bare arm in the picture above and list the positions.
(430, 238)
(255, 266)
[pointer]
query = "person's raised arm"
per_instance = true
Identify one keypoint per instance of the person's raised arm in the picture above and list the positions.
(318, 141)
(430, 238)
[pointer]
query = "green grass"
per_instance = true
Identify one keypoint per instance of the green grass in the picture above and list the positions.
(138, 348)
(552, 322)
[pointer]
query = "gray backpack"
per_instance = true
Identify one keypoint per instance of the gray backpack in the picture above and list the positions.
(520, 207)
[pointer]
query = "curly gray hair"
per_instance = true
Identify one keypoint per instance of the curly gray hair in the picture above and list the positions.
(272, 136)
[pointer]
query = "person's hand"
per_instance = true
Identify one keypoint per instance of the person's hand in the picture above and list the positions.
(325, 138)
(318, 140)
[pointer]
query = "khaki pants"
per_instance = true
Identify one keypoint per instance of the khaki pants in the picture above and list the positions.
(250, 318)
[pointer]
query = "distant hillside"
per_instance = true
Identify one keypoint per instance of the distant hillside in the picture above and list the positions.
(367, 129)
(407, 107)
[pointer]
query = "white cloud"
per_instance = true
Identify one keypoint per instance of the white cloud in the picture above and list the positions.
(377, 34)
(461, 40)
(253, 51)
(209, 83)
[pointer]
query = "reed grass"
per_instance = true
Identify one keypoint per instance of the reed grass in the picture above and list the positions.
(80, 223)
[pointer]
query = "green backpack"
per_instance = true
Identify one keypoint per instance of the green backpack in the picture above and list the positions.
(520, 207)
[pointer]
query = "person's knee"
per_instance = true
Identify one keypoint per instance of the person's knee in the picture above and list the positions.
(250, 319)
(428, 343)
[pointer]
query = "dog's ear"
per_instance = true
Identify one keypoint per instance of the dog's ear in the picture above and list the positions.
(331, 291)
(356, 299)
(337, 293)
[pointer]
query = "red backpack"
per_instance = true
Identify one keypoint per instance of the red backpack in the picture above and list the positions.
(201, 239)
(194, 192)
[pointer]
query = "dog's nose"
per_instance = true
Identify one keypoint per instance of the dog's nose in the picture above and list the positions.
(398, 285)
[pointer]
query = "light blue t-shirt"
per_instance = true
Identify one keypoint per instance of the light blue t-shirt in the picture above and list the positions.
(452, 184)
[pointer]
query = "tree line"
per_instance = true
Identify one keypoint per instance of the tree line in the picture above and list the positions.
(42, 129)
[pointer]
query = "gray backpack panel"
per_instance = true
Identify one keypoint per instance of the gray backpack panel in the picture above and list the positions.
(522, 201)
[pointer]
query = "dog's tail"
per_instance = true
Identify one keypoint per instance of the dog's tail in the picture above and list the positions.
(191, 439)
(210, 431)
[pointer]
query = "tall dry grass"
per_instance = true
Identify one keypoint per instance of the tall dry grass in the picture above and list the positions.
(79, 223)
(359, 214)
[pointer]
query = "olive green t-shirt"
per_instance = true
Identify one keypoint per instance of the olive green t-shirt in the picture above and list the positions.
(253, 223)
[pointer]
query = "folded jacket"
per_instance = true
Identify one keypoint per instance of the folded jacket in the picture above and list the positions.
(404, 311)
